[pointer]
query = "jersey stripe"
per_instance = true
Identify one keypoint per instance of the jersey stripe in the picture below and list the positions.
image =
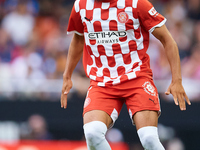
(135, 3)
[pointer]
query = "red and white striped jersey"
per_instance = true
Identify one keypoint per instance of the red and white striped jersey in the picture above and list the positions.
(116, 36)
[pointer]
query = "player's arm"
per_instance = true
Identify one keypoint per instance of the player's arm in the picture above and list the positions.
(74, 55)
(171, 50)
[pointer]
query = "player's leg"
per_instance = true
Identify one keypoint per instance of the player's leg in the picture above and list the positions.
(145, 118)
(101, 110)
(144, 109)
(97, 115)
(96, 123)
(146, 124)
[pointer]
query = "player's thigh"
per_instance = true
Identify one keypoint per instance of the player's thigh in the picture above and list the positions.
(101, 104)
(143, 104)
(145, 118)
(97, 115)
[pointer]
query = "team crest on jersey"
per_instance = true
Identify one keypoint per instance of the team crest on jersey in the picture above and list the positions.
(149, 88)
(87, 102)
(122, 17)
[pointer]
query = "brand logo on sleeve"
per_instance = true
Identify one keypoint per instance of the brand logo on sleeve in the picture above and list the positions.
(153, 12)
(122, 17)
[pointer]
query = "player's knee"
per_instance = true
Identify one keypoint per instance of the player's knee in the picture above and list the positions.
(149, 138)
(93, 136)
(95, 132)
(149, 142)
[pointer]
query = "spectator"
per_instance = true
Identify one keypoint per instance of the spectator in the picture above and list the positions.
(191, 65)
(193, 9)
(197, 32)
(37, 129)
(19, 24)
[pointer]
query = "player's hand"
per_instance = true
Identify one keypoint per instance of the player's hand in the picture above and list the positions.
(67, 85)
(179, 95)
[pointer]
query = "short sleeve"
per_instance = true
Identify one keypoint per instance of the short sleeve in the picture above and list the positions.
(148, 16)
(75, 24)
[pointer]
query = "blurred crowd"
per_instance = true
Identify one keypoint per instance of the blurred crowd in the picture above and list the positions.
(36, 128)
(34, 43)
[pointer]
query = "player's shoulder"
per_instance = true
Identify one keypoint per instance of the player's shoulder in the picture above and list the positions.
(79, 4)
(142, 2)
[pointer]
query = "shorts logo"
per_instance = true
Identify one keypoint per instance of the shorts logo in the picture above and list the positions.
(149, 88)
(87, 102)
(152, 100)
(122, 17)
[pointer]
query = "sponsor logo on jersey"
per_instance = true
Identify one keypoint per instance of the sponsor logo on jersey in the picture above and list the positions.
(122, 17)
(149, 88)
(153, 12)
(107, 36)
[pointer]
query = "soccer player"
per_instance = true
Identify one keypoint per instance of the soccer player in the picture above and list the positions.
(113, 36)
